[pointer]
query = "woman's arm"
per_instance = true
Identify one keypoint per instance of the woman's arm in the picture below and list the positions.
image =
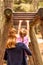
(5, 55)
(27, 50)
(24, 47)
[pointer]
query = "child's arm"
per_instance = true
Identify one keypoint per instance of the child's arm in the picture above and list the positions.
(19, 27)
(27, 27)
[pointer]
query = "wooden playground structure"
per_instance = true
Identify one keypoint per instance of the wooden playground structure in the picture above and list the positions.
(13, 19)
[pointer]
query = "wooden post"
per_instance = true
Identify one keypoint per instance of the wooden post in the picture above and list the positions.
(36, 56)
(1, 28)
(8, 3)
(41, 25)
(5, 24)
(40, 14)
(31, 58)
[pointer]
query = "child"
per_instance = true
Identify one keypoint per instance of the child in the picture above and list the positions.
(22, 37)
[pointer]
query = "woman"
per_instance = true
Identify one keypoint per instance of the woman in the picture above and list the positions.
(15, 52)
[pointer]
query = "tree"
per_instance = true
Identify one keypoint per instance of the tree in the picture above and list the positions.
(35, 4)
(22, 5)
(37, 56)
(1, 28)
(4, 26)
(22, 1)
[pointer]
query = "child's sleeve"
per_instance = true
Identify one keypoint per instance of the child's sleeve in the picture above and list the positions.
(26, 41)
(5, 55)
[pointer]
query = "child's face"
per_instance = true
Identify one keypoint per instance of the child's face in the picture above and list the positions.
(22, 35)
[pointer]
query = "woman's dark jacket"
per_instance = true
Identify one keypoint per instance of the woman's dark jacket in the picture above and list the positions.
(16, 56)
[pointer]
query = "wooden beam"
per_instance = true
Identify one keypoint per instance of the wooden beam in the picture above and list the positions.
(24, 16)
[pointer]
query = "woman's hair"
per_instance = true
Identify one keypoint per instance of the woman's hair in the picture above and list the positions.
(11, 31)
(23, 31)
(11, 38)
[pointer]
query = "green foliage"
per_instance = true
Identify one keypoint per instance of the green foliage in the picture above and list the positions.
(22, 5)
(22, 1)
(22, 8)
(16, 7)
(40, 4)
(25, 5)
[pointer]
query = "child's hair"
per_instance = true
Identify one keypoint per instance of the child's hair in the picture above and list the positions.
(11, 38)
(23, 31)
